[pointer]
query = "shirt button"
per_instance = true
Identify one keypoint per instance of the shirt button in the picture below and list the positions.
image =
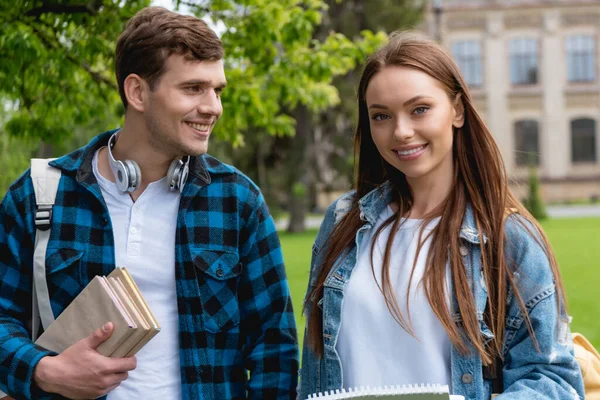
(133, 230)
(467, 378)
(463, 251)
(219, 272)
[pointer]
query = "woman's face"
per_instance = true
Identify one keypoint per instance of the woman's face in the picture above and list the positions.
(412, 118)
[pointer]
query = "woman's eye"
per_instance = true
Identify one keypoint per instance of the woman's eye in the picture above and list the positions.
(379, 117)
(420, 110)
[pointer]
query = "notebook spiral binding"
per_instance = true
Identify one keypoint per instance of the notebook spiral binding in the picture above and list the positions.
(380, 391)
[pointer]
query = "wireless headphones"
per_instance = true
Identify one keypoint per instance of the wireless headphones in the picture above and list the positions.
(129, 176)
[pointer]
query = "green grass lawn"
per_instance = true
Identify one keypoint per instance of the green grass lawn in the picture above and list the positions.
(576, 242)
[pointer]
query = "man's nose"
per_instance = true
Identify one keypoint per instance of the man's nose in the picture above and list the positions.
(211, 104)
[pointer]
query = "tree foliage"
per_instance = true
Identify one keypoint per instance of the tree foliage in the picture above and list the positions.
(282, 59)
(534, 202)
(274, 63)
(56, 64)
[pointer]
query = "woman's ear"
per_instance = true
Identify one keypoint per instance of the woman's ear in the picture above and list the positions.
(135, 88)
(459, 112)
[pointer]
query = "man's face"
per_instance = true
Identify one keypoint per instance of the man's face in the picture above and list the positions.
(184, 106)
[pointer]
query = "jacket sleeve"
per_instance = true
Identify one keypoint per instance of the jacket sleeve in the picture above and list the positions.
(310, 363)
(548, 370)
(271, 350)
(18, 355)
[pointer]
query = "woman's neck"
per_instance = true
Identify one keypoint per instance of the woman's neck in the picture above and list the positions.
(430, 191)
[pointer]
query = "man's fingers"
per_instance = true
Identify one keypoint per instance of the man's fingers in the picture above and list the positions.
(121, 365)
(112, 387)
(112, 382)
(118, 378)
(99, 336)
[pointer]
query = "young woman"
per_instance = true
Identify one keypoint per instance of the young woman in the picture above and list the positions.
(430, 270)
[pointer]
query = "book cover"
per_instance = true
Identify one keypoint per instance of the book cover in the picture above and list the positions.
(92, 308)
(132, 289)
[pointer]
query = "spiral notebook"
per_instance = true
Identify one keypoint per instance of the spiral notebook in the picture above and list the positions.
(398, 392)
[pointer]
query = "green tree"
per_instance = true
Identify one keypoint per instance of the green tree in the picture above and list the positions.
(14, 153)
(334, 129)
(327, 135)
(534, 202)
(57, 85)
(56, 64)
(280, 73)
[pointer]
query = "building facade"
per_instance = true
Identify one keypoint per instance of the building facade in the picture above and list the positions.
(532, 67)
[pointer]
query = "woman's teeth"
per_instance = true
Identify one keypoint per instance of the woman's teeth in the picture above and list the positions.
(412, 151)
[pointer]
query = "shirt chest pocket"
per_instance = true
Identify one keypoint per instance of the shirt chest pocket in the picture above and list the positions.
(63, 275)
(218, 276)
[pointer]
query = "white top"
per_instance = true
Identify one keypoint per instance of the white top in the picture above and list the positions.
(374, 349)
(144, 234)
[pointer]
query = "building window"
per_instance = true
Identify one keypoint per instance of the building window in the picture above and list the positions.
(467, 54)
(527, 143)
(583, 140)
(581, 58)
(523, 61)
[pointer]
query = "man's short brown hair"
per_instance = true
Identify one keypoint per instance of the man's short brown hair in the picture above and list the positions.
(154, 34)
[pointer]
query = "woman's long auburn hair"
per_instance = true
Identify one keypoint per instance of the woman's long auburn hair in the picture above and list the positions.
(479, 181)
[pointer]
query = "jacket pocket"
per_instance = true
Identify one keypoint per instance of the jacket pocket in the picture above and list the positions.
(63, 273)
(218, 273)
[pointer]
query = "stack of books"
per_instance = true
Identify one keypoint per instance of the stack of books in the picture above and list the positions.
(114, 298)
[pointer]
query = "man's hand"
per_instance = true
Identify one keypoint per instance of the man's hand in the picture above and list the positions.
(80, 372)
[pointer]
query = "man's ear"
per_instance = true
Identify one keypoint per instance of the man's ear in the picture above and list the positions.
(136, 90)
(459, 112)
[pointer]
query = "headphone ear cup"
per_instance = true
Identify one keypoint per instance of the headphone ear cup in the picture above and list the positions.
(135, 175)
(122, 175)
(183, 175)
(178, 174)
(173, 174)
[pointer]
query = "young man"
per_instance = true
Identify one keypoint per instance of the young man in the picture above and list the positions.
(203, 250)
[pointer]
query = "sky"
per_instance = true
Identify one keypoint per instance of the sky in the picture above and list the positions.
(168, 4)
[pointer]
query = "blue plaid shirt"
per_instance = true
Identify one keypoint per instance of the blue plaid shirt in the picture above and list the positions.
(237, 333)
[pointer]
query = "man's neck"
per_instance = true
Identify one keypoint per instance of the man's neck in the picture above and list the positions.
(132, 145)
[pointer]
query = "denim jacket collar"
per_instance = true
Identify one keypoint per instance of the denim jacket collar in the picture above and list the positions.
(373, 203)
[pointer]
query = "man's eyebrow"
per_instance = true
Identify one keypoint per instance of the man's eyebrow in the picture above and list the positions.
(200, 82)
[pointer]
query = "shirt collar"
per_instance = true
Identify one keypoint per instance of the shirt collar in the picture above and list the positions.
(80, 162)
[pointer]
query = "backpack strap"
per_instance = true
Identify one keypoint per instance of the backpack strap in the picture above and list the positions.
(45, 185)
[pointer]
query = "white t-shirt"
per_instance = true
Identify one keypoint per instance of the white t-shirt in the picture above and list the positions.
(374, 349)
(144, 234)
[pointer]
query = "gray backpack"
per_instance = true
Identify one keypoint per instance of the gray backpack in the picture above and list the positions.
(45, 185)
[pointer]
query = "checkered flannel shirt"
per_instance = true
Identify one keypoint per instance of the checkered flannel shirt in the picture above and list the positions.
(237, 333)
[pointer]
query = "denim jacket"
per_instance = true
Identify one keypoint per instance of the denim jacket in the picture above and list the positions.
(550, 373)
